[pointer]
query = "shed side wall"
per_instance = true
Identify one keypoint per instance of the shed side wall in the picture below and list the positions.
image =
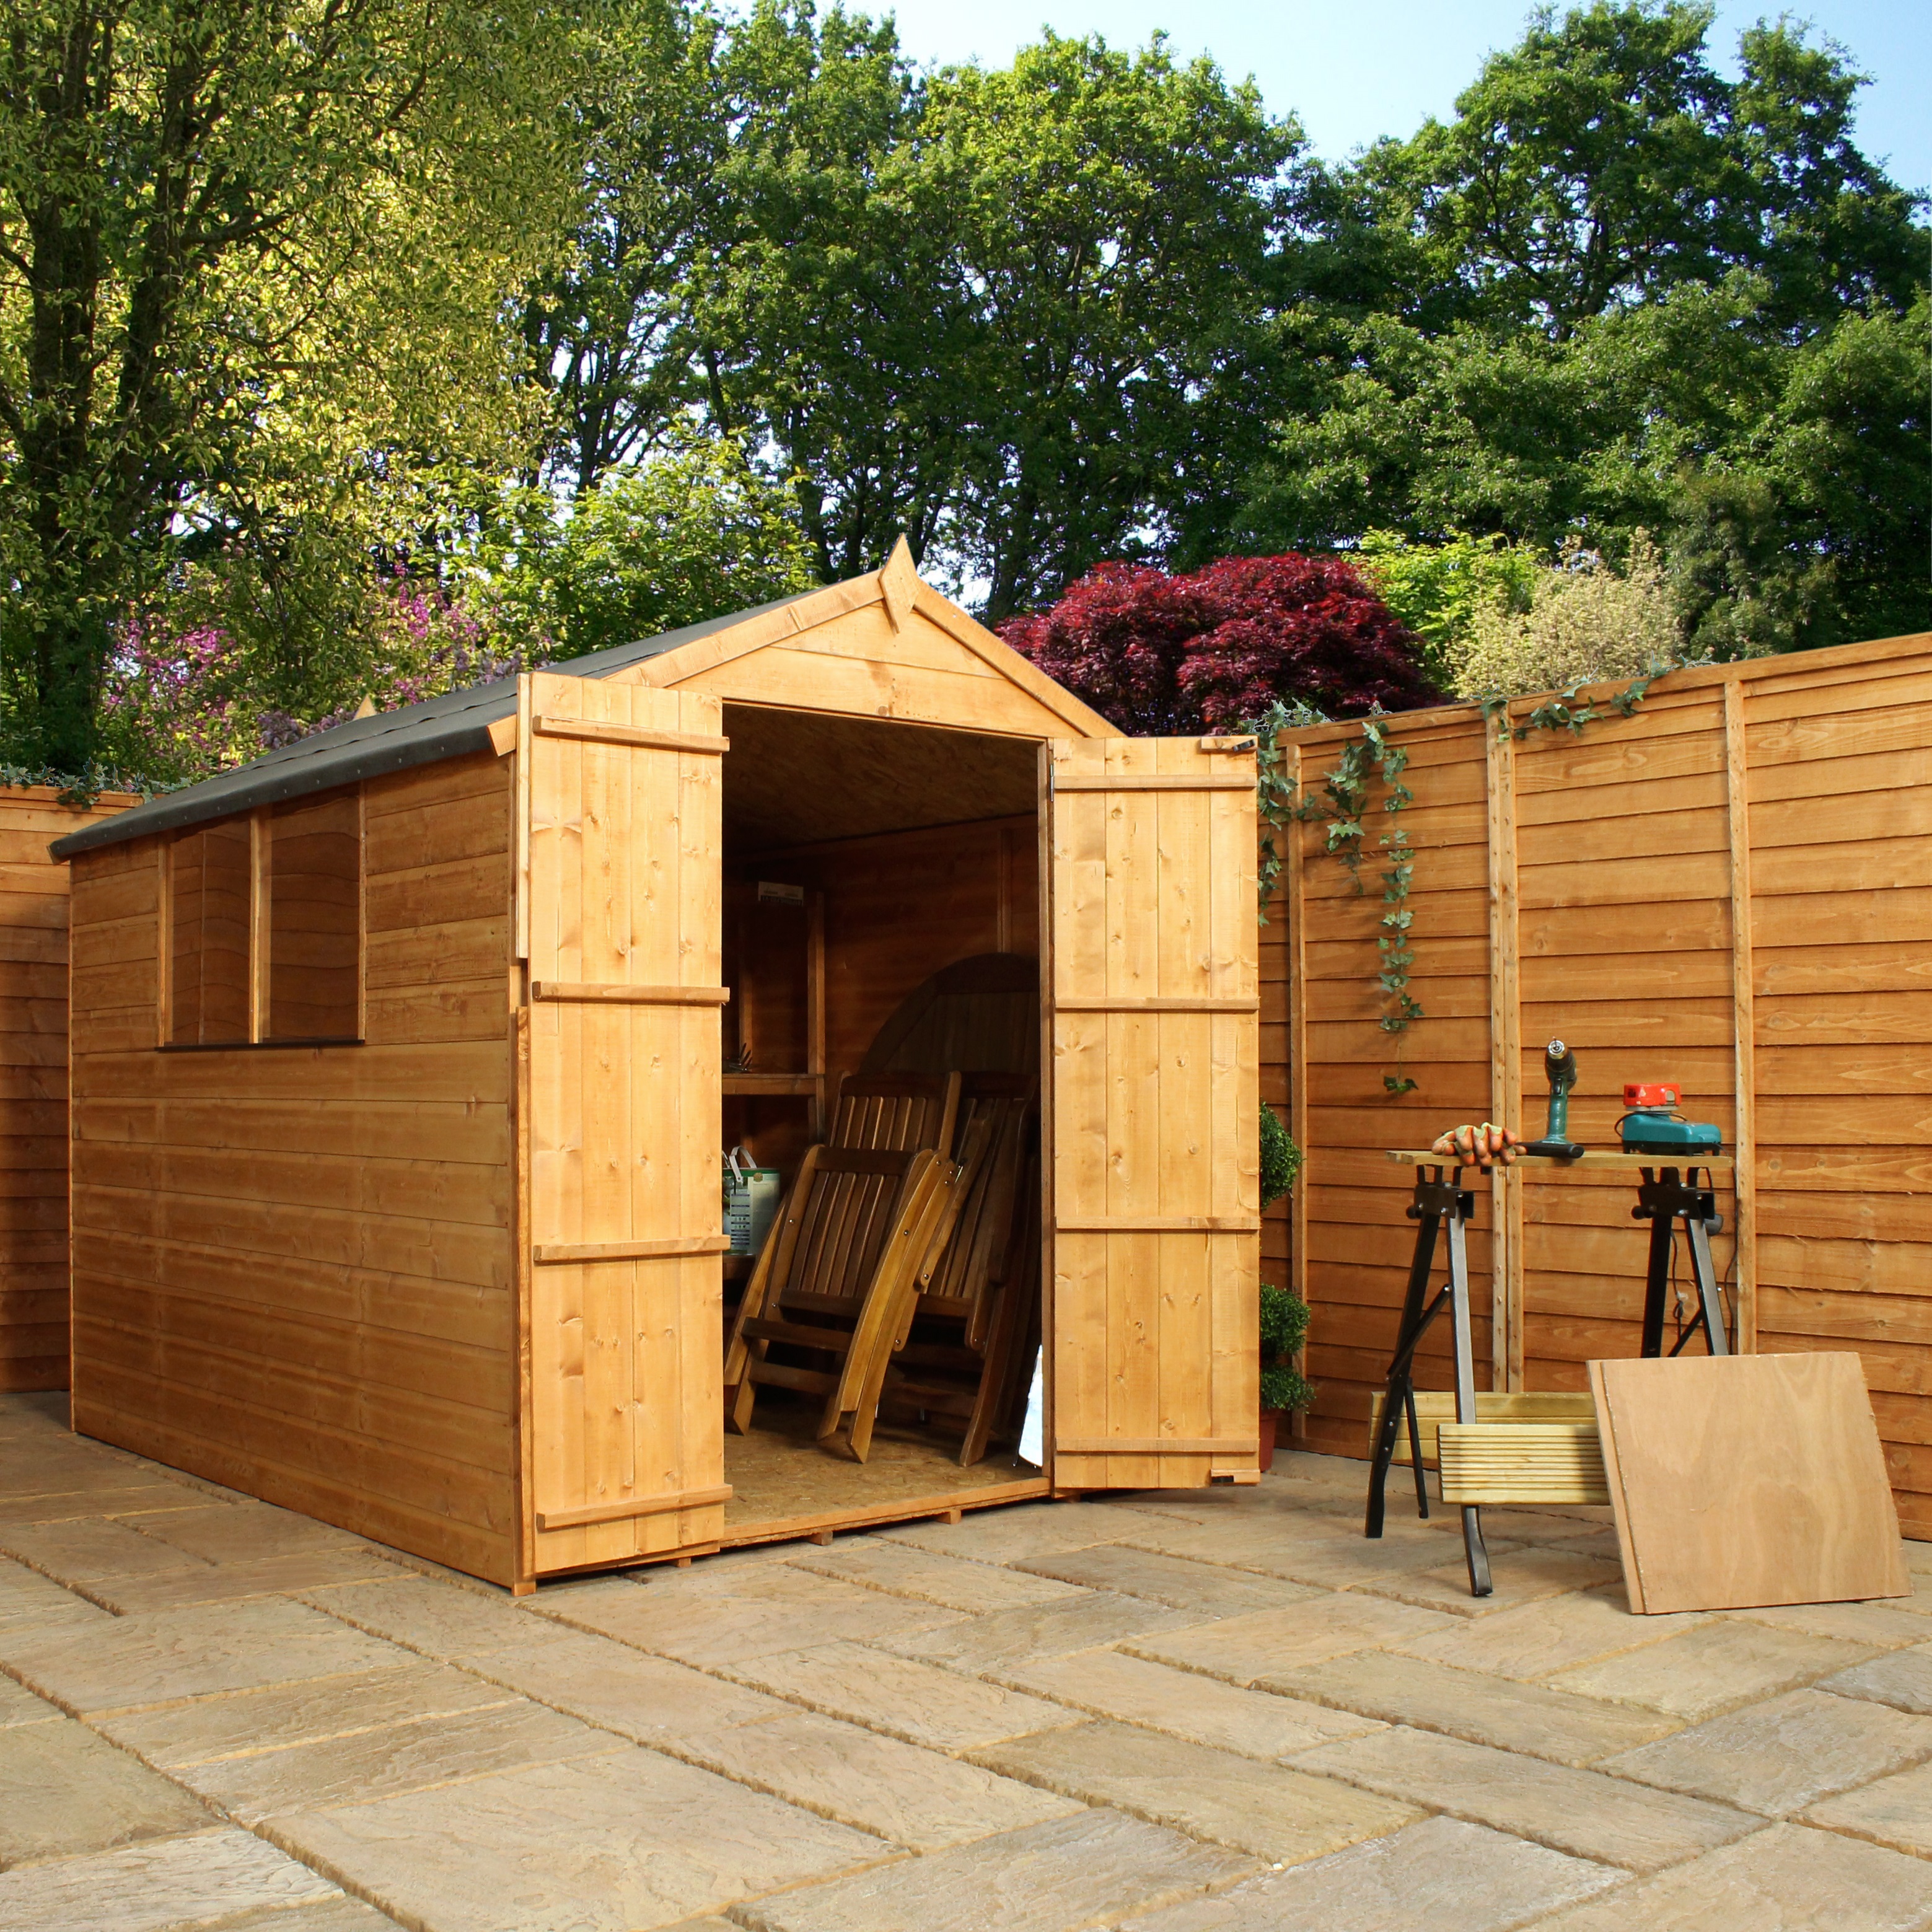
(33, 1083)
(292, 1266)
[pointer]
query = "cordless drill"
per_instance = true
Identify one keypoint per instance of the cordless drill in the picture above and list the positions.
(1559, 1067)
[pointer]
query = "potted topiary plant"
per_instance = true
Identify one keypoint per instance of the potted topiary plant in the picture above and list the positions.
(1284, 1314)
(1284, 1388)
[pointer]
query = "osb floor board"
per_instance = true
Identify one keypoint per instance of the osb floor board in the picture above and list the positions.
(781, 1480)
(1742, 1481)
(1559, 1764)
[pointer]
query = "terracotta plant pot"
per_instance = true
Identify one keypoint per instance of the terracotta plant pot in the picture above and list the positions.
(1270, 1422)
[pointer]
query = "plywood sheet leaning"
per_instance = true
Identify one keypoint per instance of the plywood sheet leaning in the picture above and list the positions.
(1744, 1480)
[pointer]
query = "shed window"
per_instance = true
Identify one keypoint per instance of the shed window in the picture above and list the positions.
(213, 884)
(265, 928)
(315, 895)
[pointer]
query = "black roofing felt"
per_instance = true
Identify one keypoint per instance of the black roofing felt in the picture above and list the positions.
(392, 741)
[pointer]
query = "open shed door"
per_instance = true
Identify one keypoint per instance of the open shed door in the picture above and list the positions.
(619, 795)
(1152, 1098)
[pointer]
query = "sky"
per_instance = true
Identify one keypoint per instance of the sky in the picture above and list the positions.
(1351, 70)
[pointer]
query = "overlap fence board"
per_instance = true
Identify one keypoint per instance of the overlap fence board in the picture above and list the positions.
(1731, 889)
(34, 1277)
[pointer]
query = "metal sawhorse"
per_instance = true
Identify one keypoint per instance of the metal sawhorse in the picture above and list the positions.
(1443, 1206)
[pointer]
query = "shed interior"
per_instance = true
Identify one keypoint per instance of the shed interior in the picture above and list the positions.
(881, 917)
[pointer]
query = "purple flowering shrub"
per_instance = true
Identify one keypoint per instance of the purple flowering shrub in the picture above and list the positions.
(184, 701)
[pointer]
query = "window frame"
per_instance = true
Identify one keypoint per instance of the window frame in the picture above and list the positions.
(261, 855)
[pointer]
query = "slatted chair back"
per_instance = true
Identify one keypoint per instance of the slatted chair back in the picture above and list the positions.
(836, 1223)
(996, 1112)
(897, 1110)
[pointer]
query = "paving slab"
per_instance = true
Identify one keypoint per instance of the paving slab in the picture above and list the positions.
(607, 1683)
(1583, 1812)
(714, 1630)
(1883, 1625)
(1184, 1704)
(217, 1877)
(1266, 1642)
(244, 1532)
(78, 1552)
(1783, 1879)
(898, 1792)
(1527, 1717)
(19, 1706)
(1266, 1810)
(1089, 1870)
(1440, 1872)
(1778, 1756)
(905, 1570)
(1522, 1576)
(64, 1791)
(339, 1914)
(30, 1602)
(1179, 1581)
(625, 1843)
(1005, 1637)
(122, 1662)
(1903, 1680)
(1283, 1547)
(366, 1765)
(922, 1703)
(1021, 1529)
(1895, 1811)
(296, 1572)
(1714, 1668)
(231, 1726)
(1542, 1638)
(438, 1619)
(112, 1496)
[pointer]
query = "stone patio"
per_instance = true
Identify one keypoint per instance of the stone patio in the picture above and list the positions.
(1208, 1712)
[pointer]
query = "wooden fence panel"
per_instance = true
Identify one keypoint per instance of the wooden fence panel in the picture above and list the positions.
(33, 1280)
(1731, 889)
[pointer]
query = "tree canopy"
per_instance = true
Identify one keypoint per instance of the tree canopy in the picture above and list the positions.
(586, 322)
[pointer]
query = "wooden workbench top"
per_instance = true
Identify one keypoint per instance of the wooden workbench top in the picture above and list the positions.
(1597, 1161)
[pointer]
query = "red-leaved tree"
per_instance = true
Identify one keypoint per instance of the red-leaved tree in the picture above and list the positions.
(1160, 654)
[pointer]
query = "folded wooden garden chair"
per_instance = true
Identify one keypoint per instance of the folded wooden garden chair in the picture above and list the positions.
(976, 1301)
(897, 1110)
(836, 1283)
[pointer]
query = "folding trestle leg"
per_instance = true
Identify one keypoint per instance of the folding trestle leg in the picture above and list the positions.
(1663, 1201)
(1437, 1201)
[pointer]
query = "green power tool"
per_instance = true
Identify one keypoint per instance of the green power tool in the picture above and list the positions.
(1559, 1067)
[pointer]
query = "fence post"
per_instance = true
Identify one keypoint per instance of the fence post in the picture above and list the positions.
(1744, 1022)
(1505, 1057)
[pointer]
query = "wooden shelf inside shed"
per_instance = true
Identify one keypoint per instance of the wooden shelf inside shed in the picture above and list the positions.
(810, 1084)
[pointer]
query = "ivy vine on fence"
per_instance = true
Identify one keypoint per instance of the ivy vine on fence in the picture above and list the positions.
(1343, 804)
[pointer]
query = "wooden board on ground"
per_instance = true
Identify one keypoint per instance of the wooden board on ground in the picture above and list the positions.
(1740, 1481)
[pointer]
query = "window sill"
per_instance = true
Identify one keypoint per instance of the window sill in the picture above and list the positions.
(251, 1045)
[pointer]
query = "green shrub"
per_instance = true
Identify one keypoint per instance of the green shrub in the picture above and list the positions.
(1281, 1158)
(1284, 1327)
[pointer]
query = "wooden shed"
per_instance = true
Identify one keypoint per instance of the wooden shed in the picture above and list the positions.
(33, 1080)
(397, 1127)
(1731, 889)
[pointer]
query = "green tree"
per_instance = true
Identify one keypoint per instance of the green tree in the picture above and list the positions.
(1115, 214)
(691, 532)
(1620, 292)
(609, 326)
(244, 244)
